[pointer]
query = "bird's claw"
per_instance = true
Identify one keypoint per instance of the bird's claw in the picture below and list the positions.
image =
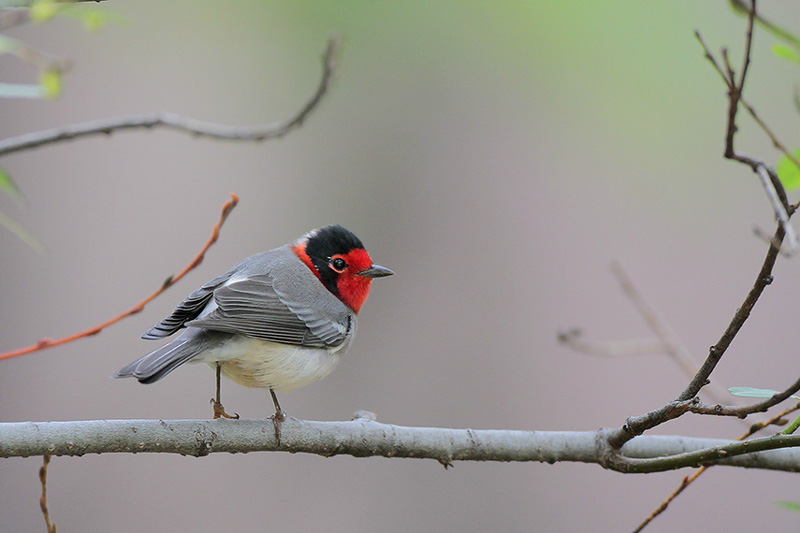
(219, 411)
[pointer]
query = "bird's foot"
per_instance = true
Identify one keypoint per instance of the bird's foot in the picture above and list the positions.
(277, 422)
(219, 410)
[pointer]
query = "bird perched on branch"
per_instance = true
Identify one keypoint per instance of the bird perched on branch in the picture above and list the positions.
(279, 320)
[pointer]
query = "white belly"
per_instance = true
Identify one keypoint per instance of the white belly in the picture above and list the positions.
(280, 367)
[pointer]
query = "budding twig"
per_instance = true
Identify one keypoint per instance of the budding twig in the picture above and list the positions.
(48, 343)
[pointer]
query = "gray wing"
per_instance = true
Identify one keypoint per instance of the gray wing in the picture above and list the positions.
(167, 358)
(187, 310)
(252, 306)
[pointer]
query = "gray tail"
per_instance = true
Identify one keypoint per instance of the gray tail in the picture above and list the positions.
(164, 360)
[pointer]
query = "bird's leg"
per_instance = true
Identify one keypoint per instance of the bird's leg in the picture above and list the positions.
(279, 414)
(278, 417)
(219, 411)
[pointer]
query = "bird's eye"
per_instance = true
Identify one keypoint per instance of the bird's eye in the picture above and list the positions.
(338, 264)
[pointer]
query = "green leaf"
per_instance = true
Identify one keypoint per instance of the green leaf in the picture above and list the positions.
(788, 171)
(44, 10)
(752, 392)
(50, 82)
(8, 186)
(20, 90)
(786, 52)
(792, 506)
(94, 19)
(8, 45)
(24, 235)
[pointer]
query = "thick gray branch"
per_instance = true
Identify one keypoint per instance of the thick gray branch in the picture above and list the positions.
(366, 438)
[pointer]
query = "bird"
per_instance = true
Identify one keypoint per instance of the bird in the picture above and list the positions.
(280, 319)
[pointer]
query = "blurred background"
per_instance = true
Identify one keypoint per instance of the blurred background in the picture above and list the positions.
(498, 156)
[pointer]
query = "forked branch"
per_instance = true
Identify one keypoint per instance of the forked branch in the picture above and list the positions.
(686, 401)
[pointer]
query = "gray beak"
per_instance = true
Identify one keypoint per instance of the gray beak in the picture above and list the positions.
(376, 271)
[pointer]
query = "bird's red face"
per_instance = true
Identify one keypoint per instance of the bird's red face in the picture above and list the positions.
(341, 263)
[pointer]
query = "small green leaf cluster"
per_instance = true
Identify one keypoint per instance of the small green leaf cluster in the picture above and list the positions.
(49, 84)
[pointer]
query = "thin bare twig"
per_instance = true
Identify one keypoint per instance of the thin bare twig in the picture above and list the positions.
(174, 121)
(51, 526)
(773, 186)
(662, 329)
(750, 109)
(747, 47)
(745, 410)
(666, 340)
(48, 343)
(626, 348)
(712, 59)
(775, 190)
(768, 181)
(688, 480)
(34, 57)
(772, 137)
(774, 29)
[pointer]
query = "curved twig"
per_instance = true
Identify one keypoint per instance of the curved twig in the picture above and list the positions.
(178, 122)
(742, 411)
(51, 526)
